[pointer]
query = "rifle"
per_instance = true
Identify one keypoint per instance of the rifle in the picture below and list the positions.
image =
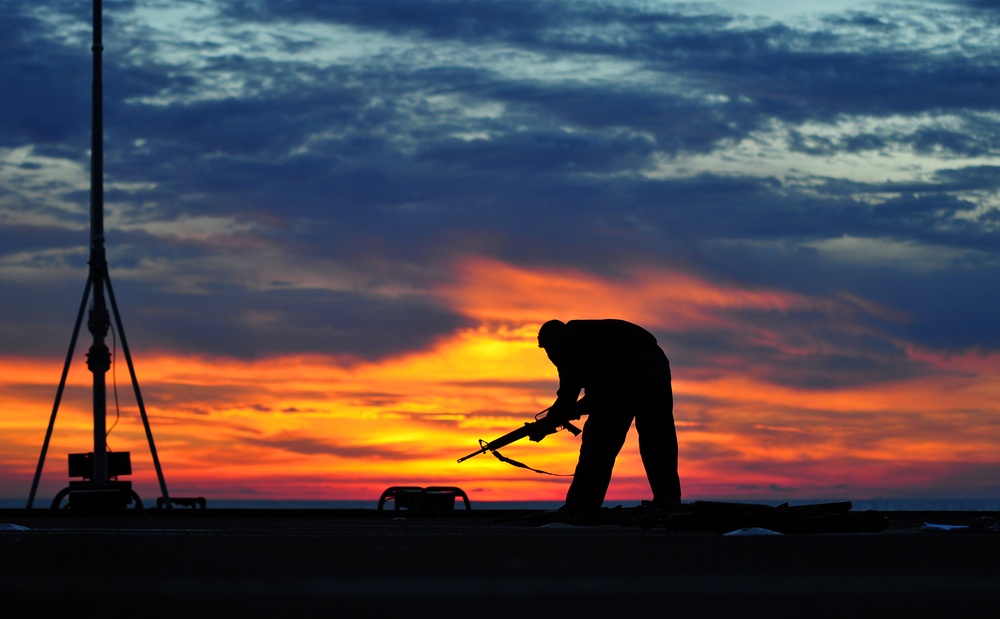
(540, 426)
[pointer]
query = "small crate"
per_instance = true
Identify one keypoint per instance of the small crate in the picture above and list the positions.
(419, 501)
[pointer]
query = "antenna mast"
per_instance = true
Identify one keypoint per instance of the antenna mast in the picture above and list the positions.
(100, 486)
(99, 357)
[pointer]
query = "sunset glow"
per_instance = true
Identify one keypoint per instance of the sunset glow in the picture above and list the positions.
(325, 428)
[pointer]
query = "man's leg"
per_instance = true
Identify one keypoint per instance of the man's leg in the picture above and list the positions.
(603, 437)
(654, 422)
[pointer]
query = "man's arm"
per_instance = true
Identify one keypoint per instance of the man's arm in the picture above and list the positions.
(564, 408)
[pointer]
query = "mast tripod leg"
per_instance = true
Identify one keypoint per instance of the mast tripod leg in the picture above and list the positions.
(59, 392)
(138, 394)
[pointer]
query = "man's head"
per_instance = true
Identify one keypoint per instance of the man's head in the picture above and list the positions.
(551, 334)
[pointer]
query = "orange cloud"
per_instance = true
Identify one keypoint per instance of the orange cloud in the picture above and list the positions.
(494, 291)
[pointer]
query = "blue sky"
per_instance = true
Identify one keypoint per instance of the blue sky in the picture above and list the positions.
(291, 176)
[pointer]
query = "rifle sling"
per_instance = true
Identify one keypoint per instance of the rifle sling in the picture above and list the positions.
(503, 458)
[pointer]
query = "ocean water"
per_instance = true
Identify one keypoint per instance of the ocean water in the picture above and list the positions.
(984, 505)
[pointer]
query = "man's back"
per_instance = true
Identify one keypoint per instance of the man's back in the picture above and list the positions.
(609, 352)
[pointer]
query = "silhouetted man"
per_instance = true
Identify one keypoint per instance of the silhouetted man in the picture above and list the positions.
(625, 376)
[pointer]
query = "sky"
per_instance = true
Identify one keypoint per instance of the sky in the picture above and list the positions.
(333, 230)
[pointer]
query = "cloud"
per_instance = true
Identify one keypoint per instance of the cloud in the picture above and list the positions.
(806, 195)
(901, 255)
(374, 138)
(52, 94)
(310, 446)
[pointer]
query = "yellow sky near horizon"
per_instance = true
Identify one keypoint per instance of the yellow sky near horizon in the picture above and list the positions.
(330, 428)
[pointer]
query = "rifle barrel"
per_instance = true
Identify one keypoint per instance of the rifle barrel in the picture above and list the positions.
(503, 441)
(481, 450)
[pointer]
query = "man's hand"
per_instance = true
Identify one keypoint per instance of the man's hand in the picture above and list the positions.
(539, 430)
(557, 416)
(580, 408)
(548, 424)
(561, 412)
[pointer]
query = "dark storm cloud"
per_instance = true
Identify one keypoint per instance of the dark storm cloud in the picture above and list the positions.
(38, 320)
(255, 324)
(975, 138)
(978, 4)
(351, 161)
(793, 72)
(44, 82)
(522, 22)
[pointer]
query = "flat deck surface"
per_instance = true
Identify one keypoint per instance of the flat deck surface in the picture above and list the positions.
(358, 563)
